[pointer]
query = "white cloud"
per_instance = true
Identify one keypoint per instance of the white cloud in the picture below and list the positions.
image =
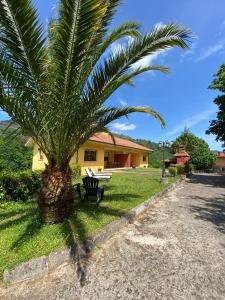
(159, 24)
(211, 50)
(189, 52)
(122, 102)
(191, 121)
(123, 126)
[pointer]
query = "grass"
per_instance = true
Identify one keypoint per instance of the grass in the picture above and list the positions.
(23, 237)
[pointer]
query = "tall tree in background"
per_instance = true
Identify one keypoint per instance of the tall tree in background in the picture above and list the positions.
(217, 127)
(14, 155)
(55, 86)
(201, 155)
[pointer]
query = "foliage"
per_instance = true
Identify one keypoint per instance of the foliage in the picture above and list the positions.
(14, 155)
(55, 85)
(23, 237)
(191, 168)
(18, 186)
(217, 126)
(76, 171)
(180, 169)
(200, 154)
(172, 171)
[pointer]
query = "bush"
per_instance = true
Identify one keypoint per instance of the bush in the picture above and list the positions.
(76, 171)
(155, 165)
(172, 171)
(191, 168)
(180, 169)
(15, 186)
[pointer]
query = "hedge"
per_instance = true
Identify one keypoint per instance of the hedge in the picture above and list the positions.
(15, 186)
(180, 169)
(172, 171)
(76, 171)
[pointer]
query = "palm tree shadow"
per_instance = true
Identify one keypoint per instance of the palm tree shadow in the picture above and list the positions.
(75, 231)
(82, 244)
(79, 249)
(17, 217)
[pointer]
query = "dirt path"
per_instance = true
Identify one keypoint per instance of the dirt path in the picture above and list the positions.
(175, 251)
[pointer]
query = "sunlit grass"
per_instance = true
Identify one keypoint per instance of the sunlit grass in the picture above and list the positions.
(24, 237)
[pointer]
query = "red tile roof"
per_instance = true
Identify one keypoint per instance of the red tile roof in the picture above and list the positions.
(182, 154)
(106, 139)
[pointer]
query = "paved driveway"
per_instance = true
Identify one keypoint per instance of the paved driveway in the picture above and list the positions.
(175, 251)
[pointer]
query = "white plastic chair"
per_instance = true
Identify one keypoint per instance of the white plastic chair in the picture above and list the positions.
(99, 173)
(100, 177)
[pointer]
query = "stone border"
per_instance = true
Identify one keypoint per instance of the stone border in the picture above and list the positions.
(44, 264)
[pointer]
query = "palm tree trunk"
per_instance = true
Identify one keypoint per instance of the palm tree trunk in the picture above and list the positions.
(56, 199)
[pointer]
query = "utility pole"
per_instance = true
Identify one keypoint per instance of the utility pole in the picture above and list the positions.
(163, 145)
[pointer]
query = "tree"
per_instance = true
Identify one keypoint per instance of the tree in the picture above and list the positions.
(217, 127)
(14, 155)
(200, 154)
(55, 86)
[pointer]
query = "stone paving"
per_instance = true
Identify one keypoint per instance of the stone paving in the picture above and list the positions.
(176, 250)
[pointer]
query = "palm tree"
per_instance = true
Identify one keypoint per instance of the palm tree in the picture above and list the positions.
(55, 85)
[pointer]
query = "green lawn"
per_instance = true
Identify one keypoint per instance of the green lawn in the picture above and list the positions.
(24, 237)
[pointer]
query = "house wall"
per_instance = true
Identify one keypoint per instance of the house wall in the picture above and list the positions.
(220, 164)
(38, 164)
(136, 158)
(183, 160)
(124, 160)
(144, 164)
(98, 164)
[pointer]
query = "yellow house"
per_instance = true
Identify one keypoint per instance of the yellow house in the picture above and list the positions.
(101, 153)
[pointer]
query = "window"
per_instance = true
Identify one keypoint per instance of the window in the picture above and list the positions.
(144, 158)
(41, 154)
(106, 156)
(90, 155)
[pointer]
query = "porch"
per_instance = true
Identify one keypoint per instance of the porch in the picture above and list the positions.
(121, 159)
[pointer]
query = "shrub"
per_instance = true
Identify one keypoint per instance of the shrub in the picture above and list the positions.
(2, 194)
(155, 165)
(191, 168)
(180, 169)
(15, 186)
(76, 171)
(172, 171)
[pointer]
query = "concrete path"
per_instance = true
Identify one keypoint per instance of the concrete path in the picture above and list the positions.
(175, 251)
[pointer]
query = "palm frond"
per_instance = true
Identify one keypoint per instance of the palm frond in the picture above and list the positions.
(116, 83)
(126, 30)
(21, 37)
(55, 91)
(77, 35)
(110, 133)
(119, 63)
(116, 113)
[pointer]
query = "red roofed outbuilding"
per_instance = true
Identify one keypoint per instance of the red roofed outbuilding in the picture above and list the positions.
(220, 162)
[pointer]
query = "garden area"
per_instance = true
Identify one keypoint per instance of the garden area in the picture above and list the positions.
(24, 237)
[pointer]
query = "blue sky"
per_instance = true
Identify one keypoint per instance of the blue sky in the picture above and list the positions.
(182, 97)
